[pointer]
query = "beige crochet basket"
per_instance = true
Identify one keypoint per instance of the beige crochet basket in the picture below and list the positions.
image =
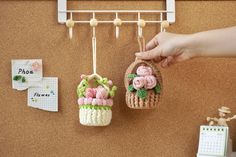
(152, 99)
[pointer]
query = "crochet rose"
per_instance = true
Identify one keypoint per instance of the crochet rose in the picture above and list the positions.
(151, 82)
(138, 82)
(90, 93)
(144, 70)
(102, 93)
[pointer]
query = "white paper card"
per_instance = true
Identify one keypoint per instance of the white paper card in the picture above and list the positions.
(26, 73)
(45, 97)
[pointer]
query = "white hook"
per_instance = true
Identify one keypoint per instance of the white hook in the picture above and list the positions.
(117, 22)
(161, 19)
(70, 24)
(164, 25)
(93, 23)
(141, 23)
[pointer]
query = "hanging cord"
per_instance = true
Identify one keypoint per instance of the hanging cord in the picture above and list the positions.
(141, 40)
(141, 43)
(94, 46)
(93, 24)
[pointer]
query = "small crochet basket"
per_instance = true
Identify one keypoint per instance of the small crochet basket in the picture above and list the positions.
(95, 100)
(143, 84)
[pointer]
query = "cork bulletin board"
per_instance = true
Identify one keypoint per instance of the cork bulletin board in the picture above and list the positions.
(192, 90)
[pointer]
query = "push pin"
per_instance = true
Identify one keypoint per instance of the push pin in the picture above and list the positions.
(70, 24)
(141, 23)
(222, 120)
(117, 22)
(164, 25)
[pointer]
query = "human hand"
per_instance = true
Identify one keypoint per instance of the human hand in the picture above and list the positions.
(167, 48)
(234, 117)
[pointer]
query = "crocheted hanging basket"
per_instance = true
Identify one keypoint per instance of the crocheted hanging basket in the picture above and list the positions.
(95, 100)
(143, 84)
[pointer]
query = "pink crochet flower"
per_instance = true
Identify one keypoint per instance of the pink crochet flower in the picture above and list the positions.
(110, 83)
(94, 102)
(104, 102)
(139, 82)
(36, 66)
(89, 100)
(82, 76)
(90, 93)
(151, 82)
(109, 102)
(81, 101)
(99, 102)
(102, 93)
(144, 70)
(85, 101)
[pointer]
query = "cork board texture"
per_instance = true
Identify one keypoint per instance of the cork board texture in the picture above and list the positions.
(192, 90)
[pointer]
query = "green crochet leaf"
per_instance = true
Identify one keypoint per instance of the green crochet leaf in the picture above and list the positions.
(113, 91)
(23, 80)
(132, 76)
(131, 88)
(157, 89)
(142, 93)
(85, 83)
(114, 88)
(80, 95)
(100, 82)
(17, 77)
(96, 107)
(104, 80)
(77, 92)
(81, 90)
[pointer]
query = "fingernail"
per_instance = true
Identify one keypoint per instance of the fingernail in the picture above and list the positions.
(165, 64)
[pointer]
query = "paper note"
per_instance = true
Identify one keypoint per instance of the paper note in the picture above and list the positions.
(46, 96)
(26, 73)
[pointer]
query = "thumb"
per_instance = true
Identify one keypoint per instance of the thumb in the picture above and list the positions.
(151, 54)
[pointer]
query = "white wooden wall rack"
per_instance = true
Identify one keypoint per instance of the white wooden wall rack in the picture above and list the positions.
(65, 16)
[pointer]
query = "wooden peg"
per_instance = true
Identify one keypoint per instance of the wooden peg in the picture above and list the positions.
(70, 24)
(117, 22)
(93, 22)
(141, 23)
(165, 24)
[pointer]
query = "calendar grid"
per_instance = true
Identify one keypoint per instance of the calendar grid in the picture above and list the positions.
(213, 141)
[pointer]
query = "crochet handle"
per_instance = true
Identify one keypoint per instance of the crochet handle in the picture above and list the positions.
(141, 44)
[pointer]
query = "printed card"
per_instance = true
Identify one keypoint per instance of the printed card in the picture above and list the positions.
(46, 96)
(26, 73)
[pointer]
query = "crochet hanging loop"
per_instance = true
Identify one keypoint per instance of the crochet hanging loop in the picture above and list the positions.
(141, 44)
(94, 49)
